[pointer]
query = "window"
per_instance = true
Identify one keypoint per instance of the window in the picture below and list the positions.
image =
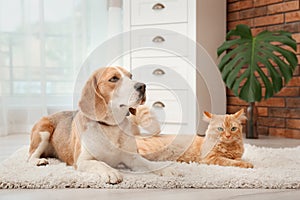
(42, 44)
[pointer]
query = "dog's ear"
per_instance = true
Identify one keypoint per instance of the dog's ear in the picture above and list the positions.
(91, 103)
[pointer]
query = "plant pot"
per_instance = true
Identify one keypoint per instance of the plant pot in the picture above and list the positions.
(251, 125)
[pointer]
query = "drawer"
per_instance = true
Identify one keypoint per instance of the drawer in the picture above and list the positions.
(157, 76)
(158, 12)
(169, 106)
(161, 40)
(172, 71)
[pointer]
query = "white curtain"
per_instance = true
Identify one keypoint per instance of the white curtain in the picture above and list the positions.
(42, 45)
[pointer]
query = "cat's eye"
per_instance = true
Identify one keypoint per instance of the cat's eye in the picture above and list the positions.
(113, 79)
(234, 128)
(220, 129)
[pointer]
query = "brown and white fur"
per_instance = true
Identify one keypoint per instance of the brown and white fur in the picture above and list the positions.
(222, 144)
(99, 136)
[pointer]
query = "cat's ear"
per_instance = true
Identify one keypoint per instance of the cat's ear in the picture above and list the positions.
(240, 115)
(207, 116)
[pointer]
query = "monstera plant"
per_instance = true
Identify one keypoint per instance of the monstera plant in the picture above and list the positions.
(242, 66)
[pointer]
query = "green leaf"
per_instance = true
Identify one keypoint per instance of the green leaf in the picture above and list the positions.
(251, 91)
(288, 55)
(268, 85)
(248, 51)
(230, 79)
(227, 45)
(229, 55)
(282, 37)
(237, 65)
(285, 69)
(241, 30)
(236, 84)
(276, 78)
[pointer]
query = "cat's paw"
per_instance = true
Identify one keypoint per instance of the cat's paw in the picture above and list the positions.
(147, 120)
(244, 164)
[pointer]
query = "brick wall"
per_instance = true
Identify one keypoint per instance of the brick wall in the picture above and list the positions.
(279, 115)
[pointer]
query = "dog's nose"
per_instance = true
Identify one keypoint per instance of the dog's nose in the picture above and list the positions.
(140, 87)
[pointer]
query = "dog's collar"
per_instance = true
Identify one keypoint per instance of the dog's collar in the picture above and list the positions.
(106, 124)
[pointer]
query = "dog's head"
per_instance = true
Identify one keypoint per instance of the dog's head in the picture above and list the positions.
(110, 90)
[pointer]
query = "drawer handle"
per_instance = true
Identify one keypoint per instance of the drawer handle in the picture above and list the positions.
(158, 6)
(158, 104)
(158, 72)
(158, 39)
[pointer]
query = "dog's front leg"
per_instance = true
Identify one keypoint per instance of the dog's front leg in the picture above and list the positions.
(146, 119)
(107, 173)
(139, 164)
(86, 163)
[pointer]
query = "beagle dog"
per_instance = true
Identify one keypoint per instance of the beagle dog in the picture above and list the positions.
(100, 135)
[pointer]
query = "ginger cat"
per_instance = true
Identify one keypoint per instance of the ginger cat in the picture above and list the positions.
(222, 145)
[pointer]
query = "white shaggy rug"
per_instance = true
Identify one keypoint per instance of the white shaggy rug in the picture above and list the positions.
(274, 168)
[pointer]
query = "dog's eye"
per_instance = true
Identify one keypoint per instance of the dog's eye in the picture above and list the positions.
(220, 129)
(113, 79)
(234, 128)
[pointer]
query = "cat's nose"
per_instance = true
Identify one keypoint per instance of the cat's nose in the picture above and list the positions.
(227, 136)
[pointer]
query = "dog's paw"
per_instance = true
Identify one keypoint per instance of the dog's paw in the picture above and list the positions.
(147, 120)
(143, 116)
(42, 162)
(38, 161)
(168, 171)
(112, 176)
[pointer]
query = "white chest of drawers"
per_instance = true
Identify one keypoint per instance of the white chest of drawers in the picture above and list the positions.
(169, 29)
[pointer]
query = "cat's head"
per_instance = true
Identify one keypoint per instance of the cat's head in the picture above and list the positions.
(227, 127)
